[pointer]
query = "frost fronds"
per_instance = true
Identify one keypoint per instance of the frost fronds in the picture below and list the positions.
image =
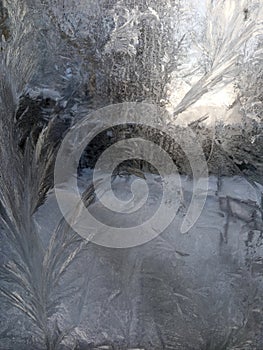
(226, 33)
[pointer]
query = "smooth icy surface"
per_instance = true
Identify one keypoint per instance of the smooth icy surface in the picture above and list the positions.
(179, 291)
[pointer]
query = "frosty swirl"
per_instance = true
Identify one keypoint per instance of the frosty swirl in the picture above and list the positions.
(66, 183)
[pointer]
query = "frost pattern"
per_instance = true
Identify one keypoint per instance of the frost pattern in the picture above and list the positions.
(61, 59)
